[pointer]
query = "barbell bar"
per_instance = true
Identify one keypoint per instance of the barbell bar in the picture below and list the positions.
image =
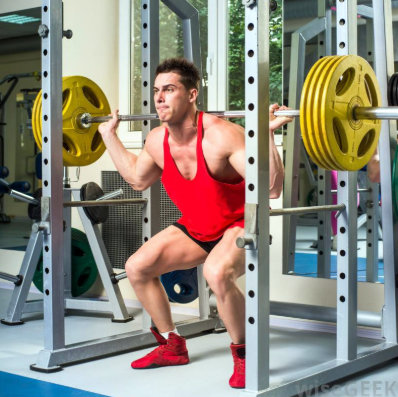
(358, 113)
(110, 195)
(101, 203)
(86, 120)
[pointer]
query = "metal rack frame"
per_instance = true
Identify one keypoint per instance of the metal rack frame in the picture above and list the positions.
(347, 361)
(56, 353)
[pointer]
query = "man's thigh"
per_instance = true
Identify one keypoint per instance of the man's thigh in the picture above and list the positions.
(227, 254)
(171, 249)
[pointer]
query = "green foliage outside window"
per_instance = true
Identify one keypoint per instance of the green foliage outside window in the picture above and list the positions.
(236, 55)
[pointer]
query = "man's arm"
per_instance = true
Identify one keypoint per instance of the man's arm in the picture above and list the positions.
(373, 168)
(237, 158)
(275, 162)
(138, 171)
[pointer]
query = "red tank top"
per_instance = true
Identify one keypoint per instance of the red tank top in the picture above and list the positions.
(208, 207)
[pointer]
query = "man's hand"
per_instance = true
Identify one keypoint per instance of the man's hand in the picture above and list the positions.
(277, 122)
(373, 168)
(109, 128)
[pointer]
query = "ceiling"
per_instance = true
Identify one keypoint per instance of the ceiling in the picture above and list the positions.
(20, 37)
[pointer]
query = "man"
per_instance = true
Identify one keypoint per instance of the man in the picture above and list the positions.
(201, 161)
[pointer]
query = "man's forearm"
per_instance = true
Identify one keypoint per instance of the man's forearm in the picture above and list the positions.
(275, 169)
(123, 160)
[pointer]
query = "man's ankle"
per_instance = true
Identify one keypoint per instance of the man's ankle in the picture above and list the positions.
(167, 333)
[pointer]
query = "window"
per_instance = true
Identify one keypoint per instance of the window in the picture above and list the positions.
(171, 45)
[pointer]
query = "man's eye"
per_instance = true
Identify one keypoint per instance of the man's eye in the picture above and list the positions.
(170, 90)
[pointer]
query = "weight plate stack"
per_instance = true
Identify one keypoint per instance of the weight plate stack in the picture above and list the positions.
(84, 268)
(333, 138)
(81, 146)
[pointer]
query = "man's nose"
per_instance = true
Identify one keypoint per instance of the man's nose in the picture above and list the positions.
(160, 96)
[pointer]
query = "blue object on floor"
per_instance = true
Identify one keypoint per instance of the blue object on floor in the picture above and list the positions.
(20, 386)
(305, 264)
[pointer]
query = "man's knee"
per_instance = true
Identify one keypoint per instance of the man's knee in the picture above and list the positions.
(138, 268)
(220, 278)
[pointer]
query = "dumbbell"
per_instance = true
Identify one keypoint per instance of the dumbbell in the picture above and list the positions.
(17, 190)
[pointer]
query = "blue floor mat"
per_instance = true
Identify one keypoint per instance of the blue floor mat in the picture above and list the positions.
(305, 264)
(20, 386)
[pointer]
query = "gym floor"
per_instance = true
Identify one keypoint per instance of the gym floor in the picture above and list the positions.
(295, 346)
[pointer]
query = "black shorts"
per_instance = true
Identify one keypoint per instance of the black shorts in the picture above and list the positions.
(206, 245)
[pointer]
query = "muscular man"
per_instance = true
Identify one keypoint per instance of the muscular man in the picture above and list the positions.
(200, 159)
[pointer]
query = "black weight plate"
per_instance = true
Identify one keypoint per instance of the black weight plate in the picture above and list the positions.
(34, 211)
(394, 98)
(394, 184)
(84, 268)
(91, 191)
(390, 87)
(181, 285)
(389, 90)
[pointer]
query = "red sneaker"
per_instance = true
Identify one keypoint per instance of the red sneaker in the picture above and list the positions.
(172, 351)
(237, 380)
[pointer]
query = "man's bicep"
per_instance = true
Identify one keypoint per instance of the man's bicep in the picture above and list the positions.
(146, 169)
(237, 160)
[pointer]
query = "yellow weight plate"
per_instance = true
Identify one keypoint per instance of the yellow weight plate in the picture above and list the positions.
(303, 111)
(320, 135)
(352, 142)
(324, 98)
(36, 116)
(313, 131)
(81, 146)
(309, 112)
(317, 125)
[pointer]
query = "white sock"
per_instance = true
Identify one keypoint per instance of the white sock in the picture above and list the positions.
(166, 334)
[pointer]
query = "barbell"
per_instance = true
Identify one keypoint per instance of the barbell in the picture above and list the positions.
(339, 114)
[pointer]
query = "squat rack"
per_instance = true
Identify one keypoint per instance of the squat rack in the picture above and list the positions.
(257, 214)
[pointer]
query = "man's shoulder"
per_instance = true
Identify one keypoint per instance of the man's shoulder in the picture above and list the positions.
(154, 139)
(216, 127)
(156, 134)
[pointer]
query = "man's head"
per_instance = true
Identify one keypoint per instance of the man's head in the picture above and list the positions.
(189, 74)
(175, 89)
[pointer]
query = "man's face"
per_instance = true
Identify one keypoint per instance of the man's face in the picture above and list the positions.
(171, 98)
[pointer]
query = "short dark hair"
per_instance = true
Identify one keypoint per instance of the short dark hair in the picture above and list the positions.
(188, 72)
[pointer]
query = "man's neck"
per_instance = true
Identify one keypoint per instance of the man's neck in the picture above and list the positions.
(184, 131)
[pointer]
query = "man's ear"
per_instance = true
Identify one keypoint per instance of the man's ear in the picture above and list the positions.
(193, 94)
